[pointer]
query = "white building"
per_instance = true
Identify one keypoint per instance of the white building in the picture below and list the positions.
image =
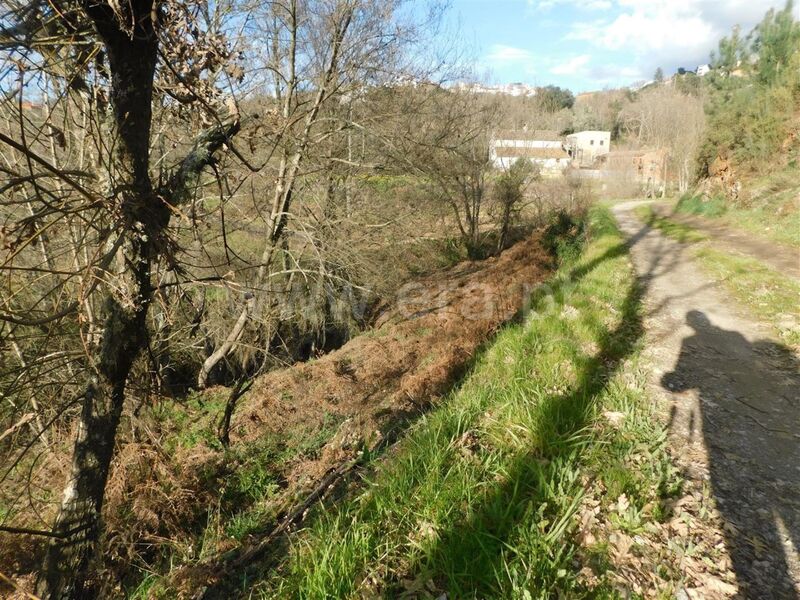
(511, 89)
(703, 70)
(519, 89)
(584, 147)
(543, 148)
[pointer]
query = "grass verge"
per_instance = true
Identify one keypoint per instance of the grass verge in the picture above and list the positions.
(501, 491)
(677, 231)
(767, 293)
(770, 207)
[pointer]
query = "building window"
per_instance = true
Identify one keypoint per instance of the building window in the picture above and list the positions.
(602, 142)
(591, 142)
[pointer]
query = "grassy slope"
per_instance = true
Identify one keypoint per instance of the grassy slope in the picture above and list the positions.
(767, 293)
(772, 211)
(485, 495)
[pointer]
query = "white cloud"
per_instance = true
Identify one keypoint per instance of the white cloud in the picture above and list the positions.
(544, 5)
(609, 42)
(610, 73)
(504, 55)
(573, 66)
(668, 33)
(584, 67)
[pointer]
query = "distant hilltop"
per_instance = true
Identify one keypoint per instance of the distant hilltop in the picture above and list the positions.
(523, 89)
(509, 89)
(699, 71)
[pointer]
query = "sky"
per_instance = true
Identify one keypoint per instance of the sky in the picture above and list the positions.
(588, 45)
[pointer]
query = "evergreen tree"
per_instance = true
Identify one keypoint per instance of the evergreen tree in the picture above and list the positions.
(775, 41)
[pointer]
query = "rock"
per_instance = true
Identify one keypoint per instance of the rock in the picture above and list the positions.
(614, 418)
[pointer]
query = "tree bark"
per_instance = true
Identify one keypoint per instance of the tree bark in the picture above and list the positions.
(131, 45)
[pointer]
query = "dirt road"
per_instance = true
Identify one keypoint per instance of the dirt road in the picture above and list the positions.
(733, 396)
(781, 257)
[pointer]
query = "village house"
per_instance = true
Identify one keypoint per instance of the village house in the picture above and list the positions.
(702, 70)
(585, 147)
(543, 148)
(28, 105)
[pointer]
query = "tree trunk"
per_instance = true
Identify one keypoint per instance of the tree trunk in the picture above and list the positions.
(504, 227)
(142, 220)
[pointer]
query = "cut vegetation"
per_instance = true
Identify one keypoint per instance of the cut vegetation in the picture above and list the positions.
(297, 431)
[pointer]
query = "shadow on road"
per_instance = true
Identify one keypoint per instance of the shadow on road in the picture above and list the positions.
(749, 419)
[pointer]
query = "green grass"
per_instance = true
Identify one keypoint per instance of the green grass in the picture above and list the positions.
(192, 421)
(766, 292)
(696, 205)
(677, 231)
(387, 183)
(481, 498)
(768, 224)
(769, 209)
(249, 498)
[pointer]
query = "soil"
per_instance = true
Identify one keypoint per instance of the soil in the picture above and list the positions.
(781, 257)
(417, 348)
(733, 406)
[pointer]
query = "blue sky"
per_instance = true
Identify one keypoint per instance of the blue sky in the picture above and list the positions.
(593, 44)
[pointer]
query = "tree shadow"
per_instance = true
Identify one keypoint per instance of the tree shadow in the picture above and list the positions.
(466, 557)
(748, 416)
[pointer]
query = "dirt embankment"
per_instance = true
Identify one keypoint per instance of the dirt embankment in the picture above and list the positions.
(377, 382)
(417, 348)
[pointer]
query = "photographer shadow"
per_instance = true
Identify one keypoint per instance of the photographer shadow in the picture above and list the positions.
(747, 415)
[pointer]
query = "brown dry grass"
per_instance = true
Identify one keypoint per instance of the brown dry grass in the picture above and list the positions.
(414, 352)
(379, 381)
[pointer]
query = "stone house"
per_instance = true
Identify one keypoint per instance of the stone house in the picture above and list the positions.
(543, 148)
(645, 167)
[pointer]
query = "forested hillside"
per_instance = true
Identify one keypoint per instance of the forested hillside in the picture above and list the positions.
(754, 100)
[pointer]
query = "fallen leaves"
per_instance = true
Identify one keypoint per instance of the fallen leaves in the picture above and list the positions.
(682, 555)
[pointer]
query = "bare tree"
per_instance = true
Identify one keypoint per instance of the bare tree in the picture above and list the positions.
(451, 144)
(124, 175)
(83, 46)
(509, 192)
(666, 119)
(321, 63)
